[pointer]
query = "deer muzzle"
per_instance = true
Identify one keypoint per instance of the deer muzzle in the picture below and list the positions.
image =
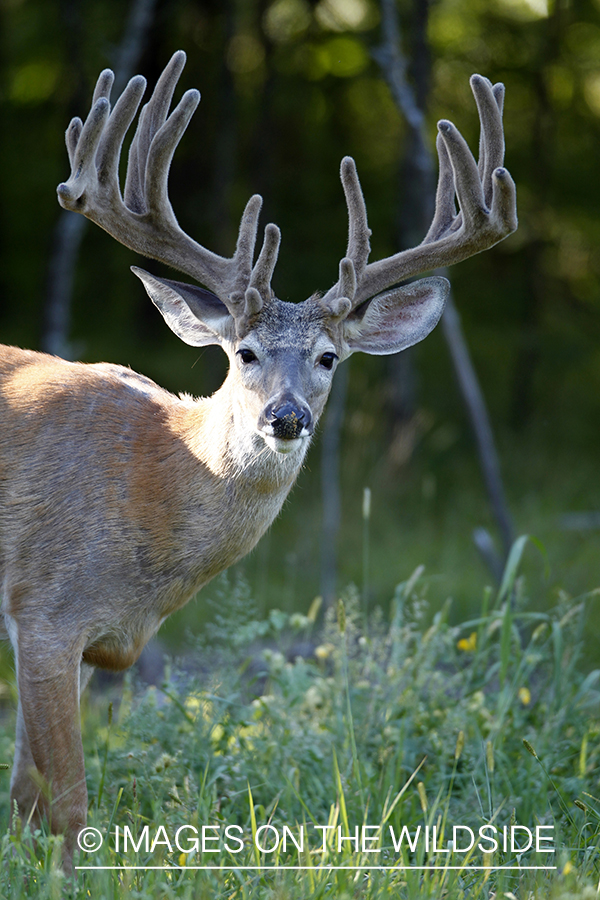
(286, 419)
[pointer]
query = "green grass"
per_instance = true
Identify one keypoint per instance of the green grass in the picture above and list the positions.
(399, 720)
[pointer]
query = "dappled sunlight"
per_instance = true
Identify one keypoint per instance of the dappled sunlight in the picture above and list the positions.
(342, 15)
(527, 9)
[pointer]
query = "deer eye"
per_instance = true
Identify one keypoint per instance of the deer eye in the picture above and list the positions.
(327, 360)
(247, 356)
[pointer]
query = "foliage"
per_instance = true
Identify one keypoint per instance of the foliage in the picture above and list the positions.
(407, 721)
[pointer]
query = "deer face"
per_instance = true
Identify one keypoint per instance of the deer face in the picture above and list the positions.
(283, 357)
(284, 366)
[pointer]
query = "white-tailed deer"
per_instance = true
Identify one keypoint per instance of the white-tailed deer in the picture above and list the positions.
(118, 500)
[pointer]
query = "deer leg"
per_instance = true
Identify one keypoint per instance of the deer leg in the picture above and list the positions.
(23, 789)
(24, 792)
(49, 775)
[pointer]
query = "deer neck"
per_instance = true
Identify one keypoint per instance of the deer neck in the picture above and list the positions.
(231, 485)
(224, 437)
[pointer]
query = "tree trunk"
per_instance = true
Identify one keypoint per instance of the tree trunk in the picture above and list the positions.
(71, 226)
(412, 105)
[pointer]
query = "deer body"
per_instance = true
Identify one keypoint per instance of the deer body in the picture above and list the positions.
(119, 500)
(143, 499)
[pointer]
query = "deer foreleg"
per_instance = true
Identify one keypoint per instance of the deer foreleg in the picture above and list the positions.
(49, 776)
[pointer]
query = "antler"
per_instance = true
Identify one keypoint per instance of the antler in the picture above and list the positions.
(487, 209)
(143, 219)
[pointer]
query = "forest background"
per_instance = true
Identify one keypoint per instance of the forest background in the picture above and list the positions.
(288, 88)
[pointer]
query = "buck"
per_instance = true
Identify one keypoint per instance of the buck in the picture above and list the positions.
(118, 500)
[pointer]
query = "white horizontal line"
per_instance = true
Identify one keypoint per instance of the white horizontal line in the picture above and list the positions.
(324, 868)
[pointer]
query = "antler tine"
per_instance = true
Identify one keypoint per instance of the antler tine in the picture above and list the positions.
(445, 206)
(246, 305)
(104, 84)
(152, 118)
(358, 230)
(265, 264)
(358, 249)
(498, 90)
(160, 154)
(491, 144)
(241, 301)
(72, 135)
(498, 94)
(143, 219)
(486, 197)
(246, 241)
(109, 150)
(347, 280)
(467, 183)
(83, 172)
(338, 301)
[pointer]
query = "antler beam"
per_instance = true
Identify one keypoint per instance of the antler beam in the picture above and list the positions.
(486, 199)
(143, 219)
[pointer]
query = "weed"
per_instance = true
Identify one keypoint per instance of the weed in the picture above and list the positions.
(362, 771)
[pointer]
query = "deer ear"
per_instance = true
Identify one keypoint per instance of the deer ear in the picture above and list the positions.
(193, 313)
(397, 319)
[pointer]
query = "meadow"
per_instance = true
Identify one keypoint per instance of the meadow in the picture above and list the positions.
(351, 755)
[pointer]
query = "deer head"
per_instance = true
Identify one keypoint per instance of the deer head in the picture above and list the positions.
(282, 355)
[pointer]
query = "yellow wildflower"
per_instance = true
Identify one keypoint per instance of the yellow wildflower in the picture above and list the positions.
(468, 645)
(525, 696)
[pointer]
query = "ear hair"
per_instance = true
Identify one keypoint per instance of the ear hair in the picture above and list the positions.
(396, 319)
(194, 314)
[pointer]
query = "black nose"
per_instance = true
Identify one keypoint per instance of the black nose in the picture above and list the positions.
(288, 419)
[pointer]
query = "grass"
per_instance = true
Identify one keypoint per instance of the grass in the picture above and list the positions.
(425, 513)
(396, 721)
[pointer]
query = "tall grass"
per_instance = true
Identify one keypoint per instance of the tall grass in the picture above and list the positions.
(399, 722)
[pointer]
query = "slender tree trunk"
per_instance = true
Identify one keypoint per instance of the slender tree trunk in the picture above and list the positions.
(482, 429)
(412, 105)
(71, 226)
